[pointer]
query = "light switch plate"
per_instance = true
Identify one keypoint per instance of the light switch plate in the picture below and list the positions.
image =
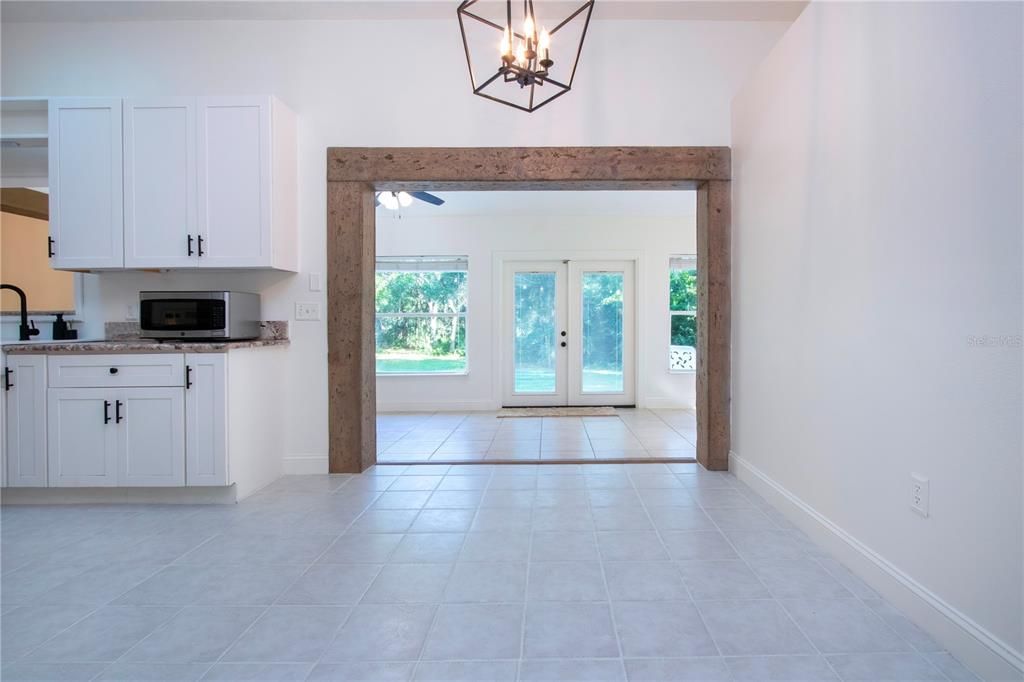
(307, 311)
(314, 281)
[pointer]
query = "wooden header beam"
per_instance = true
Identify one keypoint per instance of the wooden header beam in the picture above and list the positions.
(353, 174)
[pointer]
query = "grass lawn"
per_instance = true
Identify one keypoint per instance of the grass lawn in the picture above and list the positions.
(413, 363)
(528, 379)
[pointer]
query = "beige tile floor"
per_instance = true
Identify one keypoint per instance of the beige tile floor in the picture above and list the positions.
(476, 572)
(480, 436)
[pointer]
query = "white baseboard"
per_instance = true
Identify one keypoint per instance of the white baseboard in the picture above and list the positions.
(302, 465)
(975, 646)
(183, 495)
(438, 406)
(666, 404)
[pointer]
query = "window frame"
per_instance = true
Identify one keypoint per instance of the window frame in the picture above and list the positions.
(672, 314)
(425, 261)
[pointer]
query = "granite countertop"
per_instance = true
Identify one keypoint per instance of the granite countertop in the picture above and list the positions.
(123, 338)
(138, 346)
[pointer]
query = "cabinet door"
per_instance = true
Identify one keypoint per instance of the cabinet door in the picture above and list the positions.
(234, 162)
(81, 437)
(206, 446)
(151, 436)
(25, 420)
(86, 200)
(160, 183)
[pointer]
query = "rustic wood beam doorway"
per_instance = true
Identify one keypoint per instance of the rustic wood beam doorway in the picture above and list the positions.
(354, 174)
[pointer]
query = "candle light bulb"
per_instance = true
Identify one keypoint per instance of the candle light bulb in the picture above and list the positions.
(529, 28)
(506, 42)
(521, 54)
(544, 42)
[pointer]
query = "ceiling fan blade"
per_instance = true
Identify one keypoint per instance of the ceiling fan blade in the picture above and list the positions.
(427, 197)
(376, 199)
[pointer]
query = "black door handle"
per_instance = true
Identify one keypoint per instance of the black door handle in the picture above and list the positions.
(190, 245)
(49, 247)
(200, 240)
(7, 379)
(117, 411)
(106, 411)
(188, 376)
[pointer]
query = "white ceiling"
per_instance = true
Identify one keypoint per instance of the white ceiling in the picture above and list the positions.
(155, 10)
(564, 203)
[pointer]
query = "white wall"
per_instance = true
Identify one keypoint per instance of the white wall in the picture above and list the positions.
(649, 239)
(877, 160)
(368, 83)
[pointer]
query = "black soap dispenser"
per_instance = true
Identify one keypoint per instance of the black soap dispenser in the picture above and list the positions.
(61, 330)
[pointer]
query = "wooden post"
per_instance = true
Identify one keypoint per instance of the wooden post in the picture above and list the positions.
(352, 381)
(714, 316)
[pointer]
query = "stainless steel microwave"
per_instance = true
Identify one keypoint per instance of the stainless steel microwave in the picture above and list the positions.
(199, 315)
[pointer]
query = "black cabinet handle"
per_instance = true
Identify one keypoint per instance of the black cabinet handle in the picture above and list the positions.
(117, 411)
(188, 376)
(113, 370)
(564, 344)
(49, 247)
(7, 379)
(106, 411)
(563, 334)
(199, 239)
(190, 245)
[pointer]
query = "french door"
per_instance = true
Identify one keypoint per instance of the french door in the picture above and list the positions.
(569, 328)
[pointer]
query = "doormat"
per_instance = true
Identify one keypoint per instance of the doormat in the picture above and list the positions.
(514, 412)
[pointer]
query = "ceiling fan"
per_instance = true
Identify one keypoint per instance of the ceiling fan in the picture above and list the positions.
(396, 200)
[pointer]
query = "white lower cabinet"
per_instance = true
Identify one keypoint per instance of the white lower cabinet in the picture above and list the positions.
(25, 420)
(82, 437)
(206, 446)
(144, 420)
(127, 437)
(150, 425)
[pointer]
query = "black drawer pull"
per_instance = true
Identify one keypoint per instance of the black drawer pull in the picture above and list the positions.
(106, 411)
(113, 370)
(117, 411)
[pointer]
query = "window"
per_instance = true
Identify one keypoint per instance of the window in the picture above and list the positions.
(682, 311)
(421, 315)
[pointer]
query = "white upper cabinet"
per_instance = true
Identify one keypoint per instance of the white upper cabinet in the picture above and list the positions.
(85, 175)
(185, 182)
(247, 183)
(159, 183)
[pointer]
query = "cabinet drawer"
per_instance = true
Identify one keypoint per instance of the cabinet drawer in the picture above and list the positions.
(101, 371)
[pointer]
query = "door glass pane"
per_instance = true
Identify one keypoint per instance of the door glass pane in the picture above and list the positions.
(602, 332)
(534, 352)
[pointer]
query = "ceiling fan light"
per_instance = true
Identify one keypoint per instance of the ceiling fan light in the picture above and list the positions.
(404, 199)
(388, 200)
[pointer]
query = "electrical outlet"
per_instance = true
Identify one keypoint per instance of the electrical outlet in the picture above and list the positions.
(307, 311)
(919, 489)
(131, 313)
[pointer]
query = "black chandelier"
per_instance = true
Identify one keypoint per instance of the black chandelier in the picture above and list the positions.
(524, 77)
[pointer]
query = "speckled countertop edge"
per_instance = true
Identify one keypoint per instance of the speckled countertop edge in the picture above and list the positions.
(123, 338)
(138, 346)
